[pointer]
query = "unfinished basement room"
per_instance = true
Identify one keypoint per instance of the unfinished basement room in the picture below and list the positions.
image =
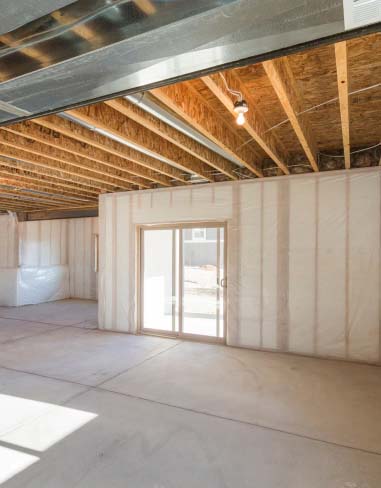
(190, 244)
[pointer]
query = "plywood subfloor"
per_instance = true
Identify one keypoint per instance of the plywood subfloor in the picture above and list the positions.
(85, 408)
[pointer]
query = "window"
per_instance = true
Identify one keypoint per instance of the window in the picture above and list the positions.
(199, 234)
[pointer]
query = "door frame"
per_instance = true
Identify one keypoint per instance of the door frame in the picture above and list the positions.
(140, 278)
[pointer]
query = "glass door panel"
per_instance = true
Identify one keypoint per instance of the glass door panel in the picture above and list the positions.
(183, 283)
(202, 295)
(159, 282)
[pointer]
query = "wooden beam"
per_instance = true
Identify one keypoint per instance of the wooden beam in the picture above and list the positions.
(185, 102)
(105, 118)
(16, 180)
(255, 125)
(86, 178)
(50, 152)
(14, 167)
(21, 203)
(79, 133)
(47, 135)
(342, 84)
(134, 112)
(70, 207)
(286, 88)
(20, 191)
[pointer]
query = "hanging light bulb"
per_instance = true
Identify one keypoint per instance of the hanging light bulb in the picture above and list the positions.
(240, 119)
(240, 108)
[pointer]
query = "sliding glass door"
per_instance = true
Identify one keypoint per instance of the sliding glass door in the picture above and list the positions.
(183, 282)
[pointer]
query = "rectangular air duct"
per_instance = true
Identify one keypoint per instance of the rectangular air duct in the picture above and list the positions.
(358, 13)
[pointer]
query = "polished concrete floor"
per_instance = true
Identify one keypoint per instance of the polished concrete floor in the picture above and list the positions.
(91, 409)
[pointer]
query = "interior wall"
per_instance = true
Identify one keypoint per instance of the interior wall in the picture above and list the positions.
(81, 249)
(303, 258)
(46, 260)
(43, 242)
(63, 242)
(9, 252)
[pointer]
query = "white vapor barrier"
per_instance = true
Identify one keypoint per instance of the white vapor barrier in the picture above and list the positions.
(30, 285)
(81, 250)
(303, 258)
(47, 260)
(42, 284)
(43, 242)
(8, 241)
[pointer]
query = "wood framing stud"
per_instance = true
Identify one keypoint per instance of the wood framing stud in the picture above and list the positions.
(286, 89)
(342, 82)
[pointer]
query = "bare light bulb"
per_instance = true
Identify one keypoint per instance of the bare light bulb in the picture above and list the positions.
(240, 119)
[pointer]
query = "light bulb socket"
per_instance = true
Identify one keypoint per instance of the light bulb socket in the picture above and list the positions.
(241, 107)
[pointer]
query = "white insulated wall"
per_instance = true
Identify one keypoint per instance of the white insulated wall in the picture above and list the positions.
(43, 243)
(303, 258)
(63, 242)
(9, 251)
(81, 251)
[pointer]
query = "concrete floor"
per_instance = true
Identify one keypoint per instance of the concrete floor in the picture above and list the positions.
(85, 408)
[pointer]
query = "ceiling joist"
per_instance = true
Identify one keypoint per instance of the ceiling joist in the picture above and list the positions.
(342, 85)
(107, 119)
(74, 147)
(159, 171)
(182, 100)
(85, 177)
(254, 125)
(39, 182)
(286, 88)
(15, 166)
(40, 149)
(196, 149)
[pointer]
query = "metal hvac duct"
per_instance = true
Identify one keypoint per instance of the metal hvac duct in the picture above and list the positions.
(63, 53)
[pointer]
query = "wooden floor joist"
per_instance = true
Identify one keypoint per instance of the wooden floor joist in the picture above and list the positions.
(342, 85)
(71, 146)
(293, 125)
(50, 152)
(15, 167)
(107, 119)
(85, 177)
(286, 88)
(161, 170)
(22, 203)
(254, 125)
(196, 149)
(5, 190)
(74, 207)
(35, 181)
(182, 100)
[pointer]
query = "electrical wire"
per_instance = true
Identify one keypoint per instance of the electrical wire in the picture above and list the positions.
(236, 93)
(352, 152)
(325, 103)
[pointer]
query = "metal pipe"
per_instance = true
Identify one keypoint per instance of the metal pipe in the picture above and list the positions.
(147, 103)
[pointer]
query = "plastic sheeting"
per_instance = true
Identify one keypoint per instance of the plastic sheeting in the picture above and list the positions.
(56, 260)
(303, 258)
(65, 242)
(24, 286)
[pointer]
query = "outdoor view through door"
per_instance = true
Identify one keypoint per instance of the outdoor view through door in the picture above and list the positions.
(183, 282)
